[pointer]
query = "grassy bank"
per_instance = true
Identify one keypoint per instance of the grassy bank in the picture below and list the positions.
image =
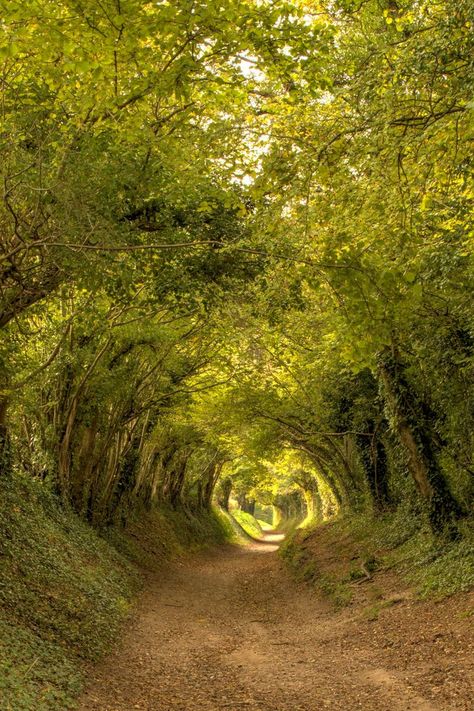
(249, 523)
(65, 589)
(339, 554)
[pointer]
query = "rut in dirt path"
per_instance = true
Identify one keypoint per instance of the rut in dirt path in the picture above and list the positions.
(229, 630)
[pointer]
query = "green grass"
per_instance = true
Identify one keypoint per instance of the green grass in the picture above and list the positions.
(264, 525)
(250, 524)
(65, 590)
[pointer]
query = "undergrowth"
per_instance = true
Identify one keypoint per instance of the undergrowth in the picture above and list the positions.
(65, 589)
(363, 544)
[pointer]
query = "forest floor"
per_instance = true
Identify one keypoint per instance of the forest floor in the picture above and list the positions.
(230, 629)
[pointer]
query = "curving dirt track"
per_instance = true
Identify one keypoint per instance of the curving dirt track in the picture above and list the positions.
(228, 629)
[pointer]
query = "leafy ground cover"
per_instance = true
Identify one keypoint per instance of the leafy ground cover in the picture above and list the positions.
(65, 589)
(340, 555)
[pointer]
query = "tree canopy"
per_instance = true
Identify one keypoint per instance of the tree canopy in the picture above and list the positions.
(236, 245)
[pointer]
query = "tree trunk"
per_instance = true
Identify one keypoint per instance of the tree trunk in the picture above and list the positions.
(5, 451)
(312, 497)
(224, 493)
(246, 505)
(177, 483)
(374, 461)
(409, 414)
(210, 483)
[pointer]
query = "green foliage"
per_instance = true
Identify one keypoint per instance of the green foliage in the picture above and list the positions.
(65, 590)
(235, 241)
(450, 572)
(222, 232)
(35, 673)
(365, 544)
(63, 594)
(59, 577)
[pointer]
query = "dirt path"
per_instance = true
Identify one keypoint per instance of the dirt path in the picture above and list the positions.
(230, 630)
